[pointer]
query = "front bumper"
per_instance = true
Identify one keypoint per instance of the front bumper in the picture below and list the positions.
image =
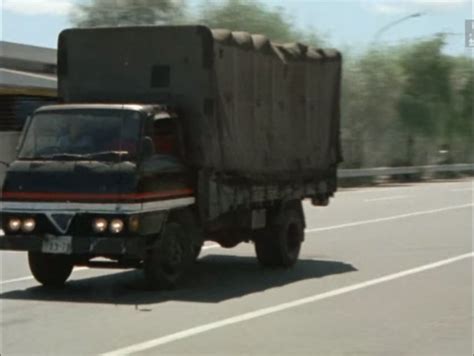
(89, 246)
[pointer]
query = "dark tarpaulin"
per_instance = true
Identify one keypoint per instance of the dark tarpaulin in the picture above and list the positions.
(251, 108)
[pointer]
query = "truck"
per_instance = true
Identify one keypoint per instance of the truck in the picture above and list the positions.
(169, 136)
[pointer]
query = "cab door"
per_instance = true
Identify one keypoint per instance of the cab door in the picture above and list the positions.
(164, 175)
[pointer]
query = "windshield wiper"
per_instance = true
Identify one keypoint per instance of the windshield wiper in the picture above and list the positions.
(69, 156)
(88, 156)
(104, 154)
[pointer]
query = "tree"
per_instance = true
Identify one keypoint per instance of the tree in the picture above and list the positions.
(426, 102)
(426, 107)
(463, 89)
(128, 12)
(253, 17)
(371, 89)
(461, 126)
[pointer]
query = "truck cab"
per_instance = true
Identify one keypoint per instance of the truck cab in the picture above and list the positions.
(91, 181)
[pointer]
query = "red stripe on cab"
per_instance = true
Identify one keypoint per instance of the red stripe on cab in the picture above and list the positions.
(40, 196)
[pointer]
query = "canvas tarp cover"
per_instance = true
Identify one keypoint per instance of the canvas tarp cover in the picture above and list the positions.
(250, 107)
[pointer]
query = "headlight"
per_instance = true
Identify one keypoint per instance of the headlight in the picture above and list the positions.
(14, 224)
(99, 225)
(116, 226)
(28, 225)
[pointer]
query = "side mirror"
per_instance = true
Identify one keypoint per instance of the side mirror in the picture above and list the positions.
(148, 149)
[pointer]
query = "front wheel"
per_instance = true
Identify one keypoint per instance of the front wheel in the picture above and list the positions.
(169, 259)
(279, 244)
(50, 270)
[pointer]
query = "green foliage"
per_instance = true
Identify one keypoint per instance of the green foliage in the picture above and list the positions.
(462, 81)
(237, 15)
(254, 17)
(466, 120)
(402, 104)
(127, 12)
(425, 105)
(371, 89)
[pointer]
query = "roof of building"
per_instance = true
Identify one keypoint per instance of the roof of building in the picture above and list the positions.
(27, 70)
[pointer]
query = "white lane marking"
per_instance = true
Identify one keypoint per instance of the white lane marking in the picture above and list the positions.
(389, 218)
(395, 197)
(29, 278)
(16, 280)
(463, 190)
(143, 346)
(375, 190)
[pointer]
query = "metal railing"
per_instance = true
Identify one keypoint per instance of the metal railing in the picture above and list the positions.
(392, 171)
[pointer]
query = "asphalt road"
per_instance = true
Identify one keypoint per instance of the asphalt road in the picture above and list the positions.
(383, 271)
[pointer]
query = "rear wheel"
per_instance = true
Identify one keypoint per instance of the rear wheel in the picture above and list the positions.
(170, 257)
(279, 244)
(50, 270)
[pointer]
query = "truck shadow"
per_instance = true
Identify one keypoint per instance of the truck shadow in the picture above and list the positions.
(214, 279)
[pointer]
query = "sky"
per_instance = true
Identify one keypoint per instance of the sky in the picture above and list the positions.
(349, 25)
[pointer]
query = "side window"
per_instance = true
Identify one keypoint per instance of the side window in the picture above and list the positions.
(165, 137)
(163, 148)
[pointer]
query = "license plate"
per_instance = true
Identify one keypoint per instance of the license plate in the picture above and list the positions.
(57, 244)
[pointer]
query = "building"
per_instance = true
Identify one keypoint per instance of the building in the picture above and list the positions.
(27, 81)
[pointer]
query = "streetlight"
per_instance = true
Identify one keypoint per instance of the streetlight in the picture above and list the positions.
(394, 23)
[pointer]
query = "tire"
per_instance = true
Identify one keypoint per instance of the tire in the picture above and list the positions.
(188, 221)
(169, 259)
(279, 244)
(50, 270)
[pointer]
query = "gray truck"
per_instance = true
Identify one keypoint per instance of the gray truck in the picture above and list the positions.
(169, 136)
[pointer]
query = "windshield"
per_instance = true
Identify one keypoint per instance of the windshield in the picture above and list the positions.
(99, 134)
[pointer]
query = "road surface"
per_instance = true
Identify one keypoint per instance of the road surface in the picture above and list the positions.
(383, 271)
